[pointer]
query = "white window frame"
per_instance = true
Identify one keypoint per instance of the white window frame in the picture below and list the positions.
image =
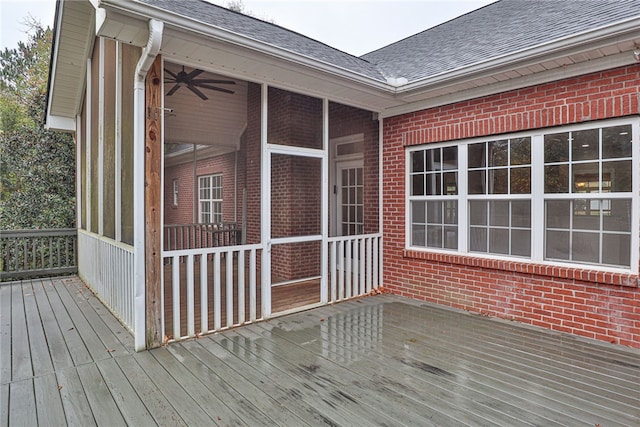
(212, 201)
(537, 196)
(174, 187)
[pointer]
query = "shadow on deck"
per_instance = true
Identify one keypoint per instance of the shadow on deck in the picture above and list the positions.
(380, 360)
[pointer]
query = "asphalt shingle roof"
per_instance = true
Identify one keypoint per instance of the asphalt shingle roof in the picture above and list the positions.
(501, 28)
(262, 31)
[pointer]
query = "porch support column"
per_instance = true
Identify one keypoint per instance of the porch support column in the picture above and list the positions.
(147, 330)
(152, 200)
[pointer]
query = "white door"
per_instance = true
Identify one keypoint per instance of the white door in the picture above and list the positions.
(349, 185)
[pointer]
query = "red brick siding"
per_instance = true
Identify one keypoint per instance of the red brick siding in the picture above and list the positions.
(183, 212)
(345, 121)
(599, 305)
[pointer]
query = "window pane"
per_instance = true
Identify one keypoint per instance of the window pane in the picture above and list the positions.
(586, 178)
(521, 213)
(417, 161)
(478, 212)
(478, 239)
(616, 249)
(521, 181)
(450, 157)
(498, 153)
(451, 237)
(586, 247)
(617, 215)
(434, 236)
(520, 151)
(557, 245)
(499, 213)
(417, 235)
(450, 212)
(498, 181)
(556, 147)
(558, 213)
(616, 142)
(586, 214)
(433, 184)
(417, 212)
(417, 185)
(476, 182)
(521, 242)
(556, 179)
(476, 155)
(499, 241)
(434, 212)
(585, 145)
(616, 176)
(450, 183)
(433, 160)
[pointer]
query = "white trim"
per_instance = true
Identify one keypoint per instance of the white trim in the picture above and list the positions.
(380, 202)
(101, 131)
(88, 141)
(118, 144)
(79, 201)
(324, 205)
(537, 196)
(265, 205)
(146, 59)
(59, 123)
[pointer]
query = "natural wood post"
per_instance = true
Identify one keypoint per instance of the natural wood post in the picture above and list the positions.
(152, 208)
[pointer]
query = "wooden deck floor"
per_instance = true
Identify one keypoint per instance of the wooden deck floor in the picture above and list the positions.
(379, 360)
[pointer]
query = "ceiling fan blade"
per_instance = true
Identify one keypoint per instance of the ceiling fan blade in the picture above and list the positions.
(194, 74)
(173, 90)
(219, 82)
(197, 92)
(171, 73)
(219, 89)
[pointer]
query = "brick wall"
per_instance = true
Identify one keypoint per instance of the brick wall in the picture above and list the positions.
(223, 164)
(599, 305)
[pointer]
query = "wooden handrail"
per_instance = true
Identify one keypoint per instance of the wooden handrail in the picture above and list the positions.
(31, 253)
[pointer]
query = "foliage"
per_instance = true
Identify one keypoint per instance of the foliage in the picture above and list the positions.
(238, 6)
(36, 165)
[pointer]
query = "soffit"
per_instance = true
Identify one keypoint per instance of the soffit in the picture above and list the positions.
(73, 44)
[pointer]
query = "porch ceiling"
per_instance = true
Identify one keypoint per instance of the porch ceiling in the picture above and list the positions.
(218, 121)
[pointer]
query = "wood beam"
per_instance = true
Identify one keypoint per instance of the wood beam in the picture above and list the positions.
(152, 200)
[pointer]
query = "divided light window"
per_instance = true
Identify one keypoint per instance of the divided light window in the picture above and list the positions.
(564, 195)
(210, 199)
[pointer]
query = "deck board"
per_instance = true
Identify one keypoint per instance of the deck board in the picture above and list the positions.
(380, 360)
(48, 402)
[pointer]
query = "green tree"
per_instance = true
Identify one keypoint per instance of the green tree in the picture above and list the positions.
(37, 168)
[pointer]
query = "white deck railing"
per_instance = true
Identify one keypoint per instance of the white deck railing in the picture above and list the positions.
(354, 265)
(106, 266)
(212, 288)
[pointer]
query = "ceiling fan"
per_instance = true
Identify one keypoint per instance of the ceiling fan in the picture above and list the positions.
(189, 80)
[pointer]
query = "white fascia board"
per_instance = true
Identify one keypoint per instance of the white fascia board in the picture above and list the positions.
(236, 39)
(59, 123)
(568, 71)
(54, 62)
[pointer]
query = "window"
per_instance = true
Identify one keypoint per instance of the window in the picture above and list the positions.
(558, 196)
(210, 199)
(175, 192)
(434, 204)
(580, 167)
(499, 183)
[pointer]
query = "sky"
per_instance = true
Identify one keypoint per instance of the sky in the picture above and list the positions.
(353, 26)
